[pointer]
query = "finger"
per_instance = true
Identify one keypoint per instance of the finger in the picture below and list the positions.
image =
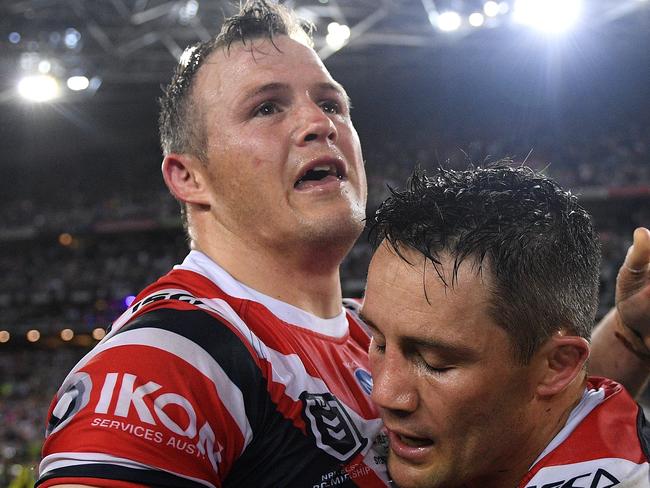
(638, 256)
(632, 275)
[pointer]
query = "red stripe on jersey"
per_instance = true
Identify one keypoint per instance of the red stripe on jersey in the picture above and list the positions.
(98, 482)
(289, 408)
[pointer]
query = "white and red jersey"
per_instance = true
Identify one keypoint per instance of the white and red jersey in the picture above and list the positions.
(605, 443)
(205, 382)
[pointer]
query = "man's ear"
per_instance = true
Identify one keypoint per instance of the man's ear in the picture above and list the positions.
(185, 179)
(562, 359)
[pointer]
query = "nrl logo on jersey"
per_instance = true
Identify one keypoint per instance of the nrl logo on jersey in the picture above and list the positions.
(331, 426)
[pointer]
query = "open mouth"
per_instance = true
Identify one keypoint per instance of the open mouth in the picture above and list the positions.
(414, 441)
(319, 173)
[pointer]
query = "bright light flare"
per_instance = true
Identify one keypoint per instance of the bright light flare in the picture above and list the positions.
(44, 66)
(71, 38)
(337, 35)
(39, 88)
(476, 19)
(449, 21)
(491, 8)
(188, 11)
(78, 83)
(551, 16)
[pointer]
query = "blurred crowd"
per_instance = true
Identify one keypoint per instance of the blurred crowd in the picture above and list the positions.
(616, 157)
(28, 380)
(80, 281)
(73, 262)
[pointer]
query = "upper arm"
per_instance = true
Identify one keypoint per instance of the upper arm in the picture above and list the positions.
(162, 401)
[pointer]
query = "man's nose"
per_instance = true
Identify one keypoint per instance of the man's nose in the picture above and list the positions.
(314, 125)
(393, 384)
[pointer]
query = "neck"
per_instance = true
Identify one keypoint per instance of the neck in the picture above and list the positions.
(551, 415)
(304, 276)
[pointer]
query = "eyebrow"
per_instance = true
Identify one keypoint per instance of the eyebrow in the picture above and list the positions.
(450, 351)
(455, 352)
(337, 87)
(274, 87)
(266, 88)
(367, 321)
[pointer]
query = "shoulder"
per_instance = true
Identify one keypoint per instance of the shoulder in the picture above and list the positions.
(604, 442)
(171, 384)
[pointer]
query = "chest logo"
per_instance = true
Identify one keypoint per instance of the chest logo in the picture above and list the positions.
(331, 426)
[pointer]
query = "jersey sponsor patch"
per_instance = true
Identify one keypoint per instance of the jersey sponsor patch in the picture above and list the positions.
(135, 408)
(599, 473)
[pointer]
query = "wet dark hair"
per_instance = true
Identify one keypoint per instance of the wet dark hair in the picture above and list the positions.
(535, 241)
(180, 124)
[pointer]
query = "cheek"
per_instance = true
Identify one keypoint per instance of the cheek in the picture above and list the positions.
(455, 406)
(349, 139)
(246, 147)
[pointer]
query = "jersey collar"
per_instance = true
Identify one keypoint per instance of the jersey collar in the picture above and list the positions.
(198, 262)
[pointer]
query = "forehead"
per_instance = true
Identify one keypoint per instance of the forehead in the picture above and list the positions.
(231, 71)
(397, 303)
(412, 273)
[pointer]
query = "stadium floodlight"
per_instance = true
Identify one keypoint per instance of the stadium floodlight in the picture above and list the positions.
(67, 334)
(78, 83)
(44, 66)
(337, 35)
(71, 38)
(38, 88)
(491, 8)
(476, 19)
(551, 16)
(188, 11)
(33, 335)
(449, 21)
(98, 333)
